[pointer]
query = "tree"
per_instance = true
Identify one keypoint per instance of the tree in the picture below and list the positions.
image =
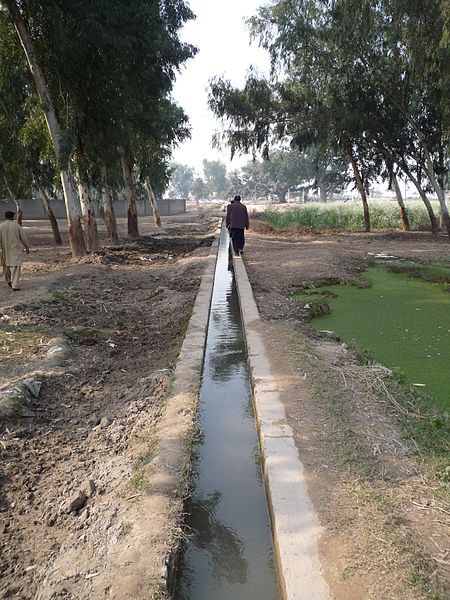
(104, 86)
(215, 175)
(355, 76)
(72, 203)
(199, 189)
(181, 178)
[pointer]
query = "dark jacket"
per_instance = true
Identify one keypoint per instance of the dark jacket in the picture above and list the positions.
(237, 216)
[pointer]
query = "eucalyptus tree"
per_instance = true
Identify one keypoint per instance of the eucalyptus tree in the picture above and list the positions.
(150, 120)
(154, 146)
(215, 176)
(199, 189)
(99, 74)
(342, 74)
(275, 175)
(181, 177)
(23, 22)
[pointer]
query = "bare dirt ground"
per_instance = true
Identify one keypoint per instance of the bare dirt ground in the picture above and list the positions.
(73, 469)
(386, 521)
(73, 466)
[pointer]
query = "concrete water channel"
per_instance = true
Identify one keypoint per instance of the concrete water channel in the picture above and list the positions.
(229, 555)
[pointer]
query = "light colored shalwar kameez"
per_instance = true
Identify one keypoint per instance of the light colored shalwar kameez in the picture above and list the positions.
(12, 243)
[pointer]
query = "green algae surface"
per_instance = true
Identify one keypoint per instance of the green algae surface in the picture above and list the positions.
(403, 322)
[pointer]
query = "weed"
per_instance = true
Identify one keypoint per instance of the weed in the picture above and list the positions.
(137, 481)
(313, 307)
(320, 282)
(363, 355)
(62, 297)
(84, 335)
(417, 270)
(126, 528)
(144, 459)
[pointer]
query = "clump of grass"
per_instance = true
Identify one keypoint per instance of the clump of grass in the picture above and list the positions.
(137, 481)
(320, 282)
(363, 355)
(84, 335)
(429, 429)
(313, 307)
(431, 273)
(62, 297)
(18, 343)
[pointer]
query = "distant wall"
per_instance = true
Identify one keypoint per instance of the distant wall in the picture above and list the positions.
(34, 210)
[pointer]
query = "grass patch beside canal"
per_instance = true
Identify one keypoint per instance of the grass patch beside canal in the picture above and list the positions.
(369, 491)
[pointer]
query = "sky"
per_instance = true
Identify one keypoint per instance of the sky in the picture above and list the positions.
(224, 46)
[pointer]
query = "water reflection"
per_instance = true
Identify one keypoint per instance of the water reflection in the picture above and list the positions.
(229, 555)
(221, 543)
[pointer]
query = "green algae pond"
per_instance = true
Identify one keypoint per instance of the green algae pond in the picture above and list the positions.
(403, 322)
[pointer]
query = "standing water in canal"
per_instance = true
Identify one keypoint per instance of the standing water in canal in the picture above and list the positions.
(229, 555)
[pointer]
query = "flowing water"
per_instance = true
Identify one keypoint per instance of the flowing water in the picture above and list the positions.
(229, 555)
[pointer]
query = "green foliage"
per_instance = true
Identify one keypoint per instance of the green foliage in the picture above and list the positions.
(109, 70)
(181, 178)
(84, 335)
(215, 175)
(366, 81)
(62, 297)
(199, 189)
(339, 216)
(315, 307)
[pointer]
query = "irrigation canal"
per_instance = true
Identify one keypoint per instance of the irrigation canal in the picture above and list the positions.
(229, 555)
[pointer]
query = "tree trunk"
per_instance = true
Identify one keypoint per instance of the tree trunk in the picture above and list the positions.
(153, 204)
(50, 214)
(398, 193)
(432, 177)
(73, 210)
(108, 209)
(422, 194)
(445, 218)
(281, 195)
(19, 212)
(90, 222)
(361, 190)
(322, 192)
(133, 229)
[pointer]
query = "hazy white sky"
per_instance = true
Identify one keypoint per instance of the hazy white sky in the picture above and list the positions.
(224, 49)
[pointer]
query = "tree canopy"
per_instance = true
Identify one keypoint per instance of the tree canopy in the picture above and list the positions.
(367, 81)
(102, 76)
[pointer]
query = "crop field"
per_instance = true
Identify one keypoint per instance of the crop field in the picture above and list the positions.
(348, 216)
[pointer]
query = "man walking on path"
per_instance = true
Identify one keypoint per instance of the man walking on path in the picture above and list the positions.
(12, 243)
(237, 222)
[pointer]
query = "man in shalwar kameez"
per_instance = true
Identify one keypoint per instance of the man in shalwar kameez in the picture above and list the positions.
(13, 241)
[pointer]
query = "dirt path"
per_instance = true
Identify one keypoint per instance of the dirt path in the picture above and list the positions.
(387, 532)
(72, 471)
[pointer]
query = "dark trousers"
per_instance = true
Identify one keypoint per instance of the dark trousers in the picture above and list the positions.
(237, 239)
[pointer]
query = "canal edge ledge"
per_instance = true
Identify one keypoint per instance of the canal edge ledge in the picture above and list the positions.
(295, 525)
(182, 404)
